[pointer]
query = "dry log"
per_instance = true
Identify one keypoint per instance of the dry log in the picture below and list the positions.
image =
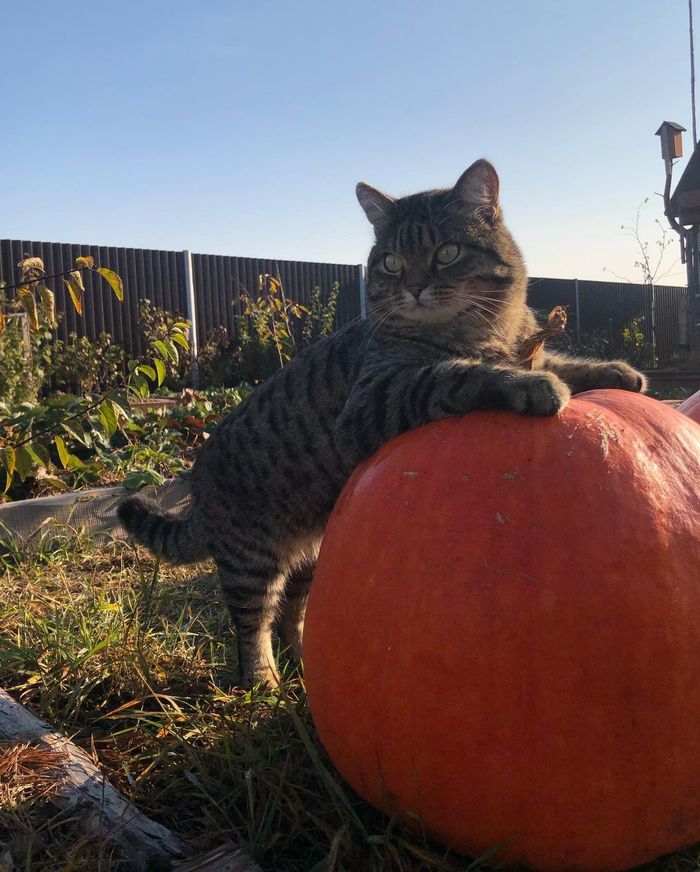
(81, 787)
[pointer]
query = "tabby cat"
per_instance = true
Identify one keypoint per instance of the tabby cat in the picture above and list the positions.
(446, 313)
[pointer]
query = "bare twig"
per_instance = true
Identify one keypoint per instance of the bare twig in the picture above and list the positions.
(648, 266)
(556, 322)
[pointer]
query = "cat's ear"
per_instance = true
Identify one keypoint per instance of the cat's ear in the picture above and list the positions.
(478, 187)
(379, 207)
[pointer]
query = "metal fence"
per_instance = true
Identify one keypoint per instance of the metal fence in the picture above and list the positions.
(598, 311)
(161, 277)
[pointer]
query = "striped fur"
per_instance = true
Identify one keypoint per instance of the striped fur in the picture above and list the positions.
(173, 539)
(440, 340)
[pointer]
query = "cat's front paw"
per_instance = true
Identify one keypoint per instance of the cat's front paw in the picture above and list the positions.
(618, 374)
(535, 393)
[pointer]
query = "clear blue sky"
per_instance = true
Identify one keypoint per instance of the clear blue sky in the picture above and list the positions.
(242, 127)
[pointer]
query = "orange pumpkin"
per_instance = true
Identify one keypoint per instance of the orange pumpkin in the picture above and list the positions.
(503, 635)
(691, 407)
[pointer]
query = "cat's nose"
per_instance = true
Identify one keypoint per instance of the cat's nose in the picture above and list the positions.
(415, 290)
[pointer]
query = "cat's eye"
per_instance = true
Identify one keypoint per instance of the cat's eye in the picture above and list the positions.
(447, 253)
(393, 263)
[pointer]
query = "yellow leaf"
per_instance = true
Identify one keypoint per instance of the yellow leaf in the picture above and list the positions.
(78, 279)
(28, 301)
(85, 261)
(48, 304)
(8, 457)
(76, 289)
(2, 322)
(31, 269)
(114, 282)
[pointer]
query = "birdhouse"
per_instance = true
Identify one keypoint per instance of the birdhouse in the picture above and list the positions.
(671, 140)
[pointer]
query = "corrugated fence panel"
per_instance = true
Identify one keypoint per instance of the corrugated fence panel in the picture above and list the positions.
(147, 274)
(219, 282)
(612, 306)
(671, 327)
(544, 294)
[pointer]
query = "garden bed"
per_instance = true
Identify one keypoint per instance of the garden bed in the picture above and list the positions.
(134, 444)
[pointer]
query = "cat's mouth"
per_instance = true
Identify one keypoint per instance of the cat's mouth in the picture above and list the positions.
(441, 304)
(426, 305)
(418, 298)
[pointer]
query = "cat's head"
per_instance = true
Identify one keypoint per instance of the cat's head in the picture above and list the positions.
(443, 255)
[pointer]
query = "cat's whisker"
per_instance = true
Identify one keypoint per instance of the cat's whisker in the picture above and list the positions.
(471, 306)
(484, 308)
(370, 309)
(485, 302)
(483, 313)
(483, 318)
(364, 348)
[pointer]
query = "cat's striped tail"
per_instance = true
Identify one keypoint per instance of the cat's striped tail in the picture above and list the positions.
(174, 539)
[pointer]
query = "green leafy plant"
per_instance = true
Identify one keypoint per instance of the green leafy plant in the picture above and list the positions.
(160, 327)
(214, 358)
(86, 366)
(635, 347)
(271, 330)
(23, 364)
(266, 337)
(25, 353)
(320, 316)
(41, 442)
(271, 319)
(20, 369)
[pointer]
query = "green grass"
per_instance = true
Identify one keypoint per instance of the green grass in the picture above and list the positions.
(136, 663)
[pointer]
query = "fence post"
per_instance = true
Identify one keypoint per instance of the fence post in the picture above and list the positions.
(578, 312)
(191, 316)
(363, 290)
(654, 343)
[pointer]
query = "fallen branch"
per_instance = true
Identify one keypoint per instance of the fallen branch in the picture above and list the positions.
(80, 786)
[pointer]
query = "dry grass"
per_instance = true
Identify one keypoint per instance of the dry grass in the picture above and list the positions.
(136, 664)
(27, 772)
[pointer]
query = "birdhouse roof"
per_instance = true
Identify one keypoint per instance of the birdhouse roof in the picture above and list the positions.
(669, 124)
